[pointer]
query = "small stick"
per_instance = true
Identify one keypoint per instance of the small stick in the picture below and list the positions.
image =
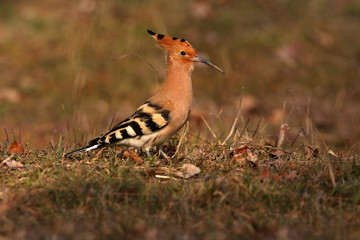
(257, 127)
(233, 127)
(321, 138)
(245, 126)
(297, 135)
(181, 139)
(207, 125)
(7, 159)
(231, 131)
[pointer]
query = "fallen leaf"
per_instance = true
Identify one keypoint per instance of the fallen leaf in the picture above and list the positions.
(133, 156)
(265, 174)
(188, 170)
(252, 156)
(277, 154)
(242, 149)
(14, 164)
(15, 148)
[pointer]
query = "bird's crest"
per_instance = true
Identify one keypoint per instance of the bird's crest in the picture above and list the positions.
(174, 44)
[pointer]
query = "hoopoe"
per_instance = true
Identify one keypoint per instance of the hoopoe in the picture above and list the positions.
(164, 113)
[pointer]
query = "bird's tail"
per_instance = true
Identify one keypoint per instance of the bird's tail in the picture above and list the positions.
(83, 149)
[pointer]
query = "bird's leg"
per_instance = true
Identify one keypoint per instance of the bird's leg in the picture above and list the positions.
(147, 150)
(162, 153)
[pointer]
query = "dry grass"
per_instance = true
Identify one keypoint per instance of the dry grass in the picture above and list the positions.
(286, 62)
(251, 191)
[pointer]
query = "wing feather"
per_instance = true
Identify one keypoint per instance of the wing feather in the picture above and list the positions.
(148, 118)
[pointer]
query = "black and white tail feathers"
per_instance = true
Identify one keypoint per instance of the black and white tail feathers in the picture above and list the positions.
(92, 145)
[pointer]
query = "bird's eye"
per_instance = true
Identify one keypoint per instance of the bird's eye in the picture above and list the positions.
(183, 53)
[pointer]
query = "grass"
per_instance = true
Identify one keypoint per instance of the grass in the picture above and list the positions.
(296, 194)
(287, 62)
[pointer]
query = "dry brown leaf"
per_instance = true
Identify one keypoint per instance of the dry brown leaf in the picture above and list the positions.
(15, 148)
(265, 174)
(242, 149)
(252, 156)
(188, 171)
(133, 156)
(277, 153)
(14, 164)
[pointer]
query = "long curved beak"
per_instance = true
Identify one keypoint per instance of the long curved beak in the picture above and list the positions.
(203, 60)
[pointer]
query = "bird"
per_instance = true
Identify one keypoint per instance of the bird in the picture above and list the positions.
(163, 114)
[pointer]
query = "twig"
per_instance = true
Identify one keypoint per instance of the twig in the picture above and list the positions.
(208, 126)
(331, 174)
(301, 130)
(308, 123)
(233, 127)
(321, 138)
(257, 127)
(231, 131)
(7, 159)
(7, 136)
(245, 126)
(181, 139)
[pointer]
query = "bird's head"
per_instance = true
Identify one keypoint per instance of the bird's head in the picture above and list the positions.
(180, 50)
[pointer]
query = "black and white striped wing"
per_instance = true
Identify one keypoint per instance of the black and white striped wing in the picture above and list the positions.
(134, 131)
(148, 119)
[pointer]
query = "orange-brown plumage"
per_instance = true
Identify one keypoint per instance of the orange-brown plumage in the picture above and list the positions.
(164, 113)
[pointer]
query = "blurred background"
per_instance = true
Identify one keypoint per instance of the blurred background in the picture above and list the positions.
(296, 62)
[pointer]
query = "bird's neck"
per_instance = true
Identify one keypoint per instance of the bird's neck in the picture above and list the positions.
(177, 83)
